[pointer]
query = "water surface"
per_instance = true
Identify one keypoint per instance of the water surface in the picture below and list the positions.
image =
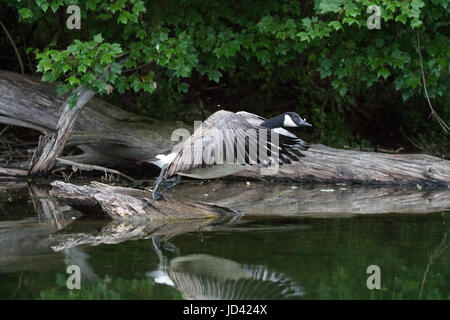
(284, 249)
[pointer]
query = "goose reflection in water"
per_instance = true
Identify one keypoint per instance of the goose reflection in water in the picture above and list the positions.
(206, 277)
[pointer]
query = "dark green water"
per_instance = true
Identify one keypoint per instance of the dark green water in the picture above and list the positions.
(270, 258)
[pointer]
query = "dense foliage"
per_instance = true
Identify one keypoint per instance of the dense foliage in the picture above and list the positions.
(184, 59)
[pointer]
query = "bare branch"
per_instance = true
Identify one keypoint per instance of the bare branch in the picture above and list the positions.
(14, 46)
(87, 167)
(434, 114)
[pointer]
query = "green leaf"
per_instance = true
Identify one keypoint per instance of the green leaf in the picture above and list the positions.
(183, 87)
(73, 81)
(303, 36)
(56, 4)
(136, 84)
(124, 16)
(415, 23)
(335, 24)
(48, 77)
(163, 36)
(214, 75)
(101, 85)
(104, 16)
(92, 4)
(88, 78)
(25, 13)
(383, 72)
(46, 65)
(349, 21)
(42, 4)
(116, 68)
(327, 6)
(106, 58)
(139, 7)
(82, 68)
(98, 38)
(62, 89)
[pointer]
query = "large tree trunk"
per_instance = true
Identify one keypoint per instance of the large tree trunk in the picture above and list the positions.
(111, 137)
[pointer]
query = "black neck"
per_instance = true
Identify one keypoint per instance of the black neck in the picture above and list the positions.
(275, 122)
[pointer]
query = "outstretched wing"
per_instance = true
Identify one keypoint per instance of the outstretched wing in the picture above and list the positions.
(251, 118)
(227, 137)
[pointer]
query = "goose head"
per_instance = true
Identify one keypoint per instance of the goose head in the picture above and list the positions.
(286, 120)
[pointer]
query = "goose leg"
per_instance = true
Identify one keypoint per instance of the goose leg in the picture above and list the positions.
(171, 247)
(159, 181)
(156, 240)
(172, 182)
(159, 244)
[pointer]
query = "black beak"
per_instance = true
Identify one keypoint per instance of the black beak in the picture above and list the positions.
(303, 123)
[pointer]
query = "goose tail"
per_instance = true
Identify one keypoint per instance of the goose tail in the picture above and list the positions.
(161, 159)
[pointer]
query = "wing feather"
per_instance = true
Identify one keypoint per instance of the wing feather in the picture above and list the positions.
(220, 138)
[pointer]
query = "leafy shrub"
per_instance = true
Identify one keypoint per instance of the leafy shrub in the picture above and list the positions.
(318, 57)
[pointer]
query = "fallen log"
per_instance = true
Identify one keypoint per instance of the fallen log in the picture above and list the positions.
(256, 199)
(127, 204)
(291, 200)
(325, 164)
(109, 136)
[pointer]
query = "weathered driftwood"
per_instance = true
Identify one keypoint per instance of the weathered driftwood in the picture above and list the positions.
(107, 134)
(258, 199)
(322, 163)
(11, 172)
(290, 200)
(110, 136)
(132, 204)
(51, 146)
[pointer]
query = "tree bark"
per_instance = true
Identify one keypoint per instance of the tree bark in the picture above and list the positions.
(51, 146)
(291, 200)
(325, 164)
(106, 134)
(256, 199)
(127, 204)
(109, 136)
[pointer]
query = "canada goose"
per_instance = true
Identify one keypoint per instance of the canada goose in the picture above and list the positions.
(226, 142)
(207, 277)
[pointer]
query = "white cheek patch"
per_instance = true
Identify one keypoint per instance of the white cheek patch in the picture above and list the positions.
(288, 122)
